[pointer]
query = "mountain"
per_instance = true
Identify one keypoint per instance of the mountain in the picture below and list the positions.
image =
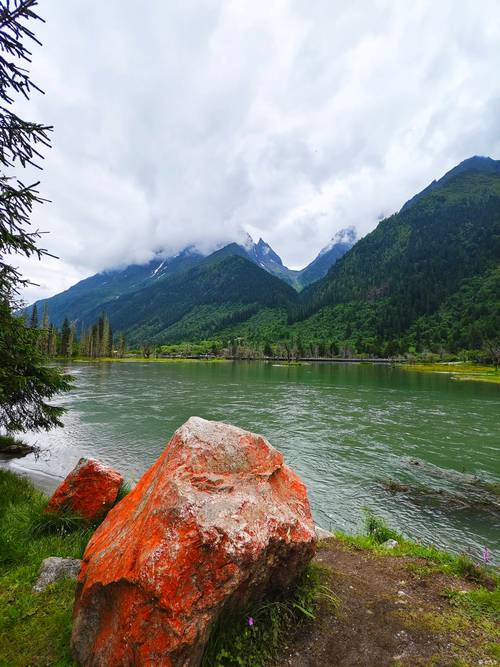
(479, 164)
(341, 243)
(427, 277)
(80, 302)
(220, 290)
(263, 255)
(438, 255)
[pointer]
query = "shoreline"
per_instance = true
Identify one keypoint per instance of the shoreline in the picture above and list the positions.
(42, 481)
(457, 370)
(208, 359)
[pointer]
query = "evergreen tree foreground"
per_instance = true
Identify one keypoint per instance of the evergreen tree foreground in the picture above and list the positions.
(26, 383)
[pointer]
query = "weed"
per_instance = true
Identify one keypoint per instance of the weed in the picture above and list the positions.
(123, 491)
(254, 637)
(378, 529)
(34, 628)
(9, 441)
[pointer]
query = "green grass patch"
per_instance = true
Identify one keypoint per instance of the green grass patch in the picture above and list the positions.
(14, 446)
(479, 603)
(254, 637)
(461, 565)
(151, 360)
(458, 370)
(34, 628)
(9, 441)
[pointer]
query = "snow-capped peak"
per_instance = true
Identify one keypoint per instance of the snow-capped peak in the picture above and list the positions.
(248, 243)
(346, 235)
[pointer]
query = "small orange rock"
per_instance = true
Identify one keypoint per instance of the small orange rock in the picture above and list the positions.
(90, 490)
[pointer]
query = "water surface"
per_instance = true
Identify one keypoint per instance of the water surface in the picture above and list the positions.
(343, 427)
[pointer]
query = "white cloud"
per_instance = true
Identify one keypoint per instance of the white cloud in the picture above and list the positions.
(181, 123)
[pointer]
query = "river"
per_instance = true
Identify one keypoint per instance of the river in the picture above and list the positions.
(345, 428)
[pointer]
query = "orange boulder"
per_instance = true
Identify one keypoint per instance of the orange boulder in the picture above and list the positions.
(89, 490)
(217, 522)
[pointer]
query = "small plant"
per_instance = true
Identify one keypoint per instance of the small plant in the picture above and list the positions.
(9, 441)
(123, 491)
(378, 529)
(467, 569)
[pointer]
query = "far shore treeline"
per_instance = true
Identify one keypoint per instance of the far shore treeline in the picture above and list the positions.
(97, 341)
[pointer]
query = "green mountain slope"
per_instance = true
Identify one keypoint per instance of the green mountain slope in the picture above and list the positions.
(413, 263)
(79, 302)
(222, 289)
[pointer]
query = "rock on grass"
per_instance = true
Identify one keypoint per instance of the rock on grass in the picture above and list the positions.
(218, 522)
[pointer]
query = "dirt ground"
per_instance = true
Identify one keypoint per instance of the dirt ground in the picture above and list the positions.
(391, 611)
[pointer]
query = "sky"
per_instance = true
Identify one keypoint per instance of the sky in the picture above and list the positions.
(194, 122)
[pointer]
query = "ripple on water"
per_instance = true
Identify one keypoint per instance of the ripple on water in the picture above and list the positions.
(344, 428)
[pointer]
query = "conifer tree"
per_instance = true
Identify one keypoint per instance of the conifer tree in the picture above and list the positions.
(26, 385)
(122, 346)
(44, 333)
(34, 318)
(52, 341)
(65, 338)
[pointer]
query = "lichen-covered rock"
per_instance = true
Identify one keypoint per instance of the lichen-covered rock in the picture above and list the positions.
(217, 522)
(89, 490)
(54, 569)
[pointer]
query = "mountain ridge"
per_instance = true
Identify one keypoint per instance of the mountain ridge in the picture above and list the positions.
(80, 301)
(401, 285)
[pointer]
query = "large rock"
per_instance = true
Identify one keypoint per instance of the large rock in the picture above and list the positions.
(90, 490)
(217, 522)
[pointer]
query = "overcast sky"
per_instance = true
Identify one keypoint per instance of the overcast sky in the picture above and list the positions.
(187, 122)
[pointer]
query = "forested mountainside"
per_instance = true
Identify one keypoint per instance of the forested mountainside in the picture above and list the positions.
(80, 302)
(425, 278)
(341, 243)
(226, 283)
(420, 263)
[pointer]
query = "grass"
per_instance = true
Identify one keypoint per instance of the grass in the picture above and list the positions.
(255, 637)
(195, 360)
(479, 607)
(459, 565)
(11, 441)
(34, 628)
(458, 371)
(477, 603)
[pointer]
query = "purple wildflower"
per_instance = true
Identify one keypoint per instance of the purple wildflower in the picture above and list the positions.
(250, 621)
(486, 555)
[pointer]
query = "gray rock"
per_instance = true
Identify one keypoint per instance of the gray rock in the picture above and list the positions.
(54, 569)
(322, 534)
(390, 544)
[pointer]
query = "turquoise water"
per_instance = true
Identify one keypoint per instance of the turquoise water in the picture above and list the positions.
(345, 428)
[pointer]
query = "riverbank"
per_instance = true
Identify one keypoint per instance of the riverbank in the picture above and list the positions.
(460, 371)
(364, 604)
(457, 370)
(209, 359)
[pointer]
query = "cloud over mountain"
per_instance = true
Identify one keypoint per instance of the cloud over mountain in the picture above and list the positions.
(196, 122)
